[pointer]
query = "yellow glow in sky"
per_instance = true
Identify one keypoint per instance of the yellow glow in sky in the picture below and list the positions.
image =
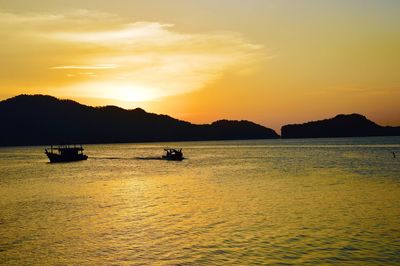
(273, 62)
(121, 60)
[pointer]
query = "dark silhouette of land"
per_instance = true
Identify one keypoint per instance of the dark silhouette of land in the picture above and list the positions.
(42, 120)
(352, 125)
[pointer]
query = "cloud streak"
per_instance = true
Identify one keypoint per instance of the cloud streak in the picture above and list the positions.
(101, 66)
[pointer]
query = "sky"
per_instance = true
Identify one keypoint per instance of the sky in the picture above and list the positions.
(271, 62)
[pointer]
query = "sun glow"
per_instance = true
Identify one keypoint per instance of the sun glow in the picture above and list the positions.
(272, 62)
(128, 60)
(131, 93)
(117, 90)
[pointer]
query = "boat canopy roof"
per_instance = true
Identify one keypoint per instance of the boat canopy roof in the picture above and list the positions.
(77, 147)
(172, 150)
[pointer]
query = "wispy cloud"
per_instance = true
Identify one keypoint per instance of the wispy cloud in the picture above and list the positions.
(130, 60)
(101, 66)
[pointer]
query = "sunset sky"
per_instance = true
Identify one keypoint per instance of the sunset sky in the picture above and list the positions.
(272, 62)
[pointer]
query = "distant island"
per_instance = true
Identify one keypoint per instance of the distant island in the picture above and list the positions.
(352, 125)
(41, 120)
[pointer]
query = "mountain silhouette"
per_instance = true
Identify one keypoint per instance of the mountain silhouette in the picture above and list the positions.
(41, 120)
(352, 125)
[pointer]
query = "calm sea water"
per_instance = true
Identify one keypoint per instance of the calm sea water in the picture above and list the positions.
(288, 202)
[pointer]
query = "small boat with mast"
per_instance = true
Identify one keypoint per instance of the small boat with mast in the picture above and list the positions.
(173, 154)
(65, 153)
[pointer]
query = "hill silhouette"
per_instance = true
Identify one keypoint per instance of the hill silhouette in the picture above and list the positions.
(41, 120)
(352, 125)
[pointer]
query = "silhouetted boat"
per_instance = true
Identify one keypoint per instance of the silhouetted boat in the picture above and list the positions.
(65, 153)
(173, 155)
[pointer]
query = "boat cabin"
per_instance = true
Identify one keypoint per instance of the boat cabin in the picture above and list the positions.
(173, 154)
(65, 153)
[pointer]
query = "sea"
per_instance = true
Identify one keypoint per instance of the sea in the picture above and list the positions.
(255, 202)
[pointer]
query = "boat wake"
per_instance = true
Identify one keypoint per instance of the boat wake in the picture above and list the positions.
(170, 155)
(134, 158)
(127, 158)
(148, 158)
(159, 158)
(111, 158)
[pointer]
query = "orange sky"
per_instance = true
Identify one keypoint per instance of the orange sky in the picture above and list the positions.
(272, 62)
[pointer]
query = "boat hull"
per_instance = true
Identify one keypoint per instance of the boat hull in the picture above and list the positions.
(169, 158)
(56, 158)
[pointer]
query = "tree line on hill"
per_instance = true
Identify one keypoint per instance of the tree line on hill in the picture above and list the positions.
(42, 120)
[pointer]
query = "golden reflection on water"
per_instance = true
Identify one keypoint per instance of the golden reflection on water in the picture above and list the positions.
(244, 205)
